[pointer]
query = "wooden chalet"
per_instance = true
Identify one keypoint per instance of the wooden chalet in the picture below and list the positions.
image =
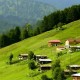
(45, 61)
(53, 42)
(73, 67)
(76, 76)
(23, 56)
(68, 72)
(45, 67)
(75, 48)
(41, 57)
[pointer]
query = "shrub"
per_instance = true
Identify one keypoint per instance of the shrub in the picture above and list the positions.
(30, 55)
(31, 64)
(44, 77)
(10, 58)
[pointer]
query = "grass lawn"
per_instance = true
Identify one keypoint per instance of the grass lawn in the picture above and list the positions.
(39, 45)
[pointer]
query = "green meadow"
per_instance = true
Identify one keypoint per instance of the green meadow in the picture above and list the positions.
(39, 45)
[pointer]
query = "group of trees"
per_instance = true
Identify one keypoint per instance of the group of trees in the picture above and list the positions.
(61, 16)
(14, 35)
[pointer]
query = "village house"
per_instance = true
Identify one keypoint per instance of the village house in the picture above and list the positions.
(23, 56)
(68, 72)
(53, 43)
(73, 67)
(45, 67)
(76, 76)
(70, 42)
(41, 57)
(45, 61)
(74, 48)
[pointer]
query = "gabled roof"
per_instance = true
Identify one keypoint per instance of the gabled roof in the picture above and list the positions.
(45, 60)
(76, 75)
(74, 65)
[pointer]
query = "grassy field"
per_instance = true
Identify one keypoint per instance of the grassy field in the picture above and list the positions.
(39, 45)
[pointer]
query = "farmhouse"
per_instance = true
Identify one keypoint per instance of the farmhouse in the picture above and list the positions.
(76, 76)
(71, 42)
(75, 48)
(45, 61)
(74, 67)
(41, 57)
(53, 42)
(45, 67)
(23, 56)
(68, 72)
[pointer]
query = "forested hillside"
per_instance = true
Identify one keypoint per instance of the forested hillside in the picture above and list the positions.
(19, 12)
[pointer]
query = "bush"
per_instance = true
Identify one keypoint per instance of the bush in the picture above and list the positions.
(44, 77)
(30, 55)
(31, 64)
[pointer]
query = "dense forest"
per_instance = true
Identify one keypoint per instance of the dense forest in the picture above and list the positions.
(54, 20)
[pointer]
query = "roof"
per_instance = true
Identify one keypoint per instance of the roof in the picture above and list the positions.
(76, 75)
(69, 70)
(41, 55)
(77, 40)
(45, 60)
(74, 65)
(71, 40)
(45, 66)
(54, 41)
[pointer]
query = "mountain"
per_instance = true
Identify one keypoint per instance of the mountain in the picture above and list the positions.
(19, 12)
(61, 4)
(39, 45)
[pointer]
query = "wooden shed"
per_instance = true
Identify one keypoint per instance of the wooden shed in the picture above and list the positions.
(45, 67)
(23, 56)
(53, 42)
(41, 57)
(68, 72)
(75, 48)
(73, 67)
(45, 61)
(76, 76)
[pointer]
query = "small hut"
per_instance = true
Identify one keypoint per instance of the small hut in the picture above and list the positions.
(74, 48)
(45, 61)
(53, 42)
(45, 67)
(41, 57)
(23, 56)
(73, 67)
(68, 72)
(76, 76)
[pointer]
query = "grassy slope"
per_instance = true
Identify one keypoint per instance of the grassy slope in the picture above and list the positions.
(38, 44)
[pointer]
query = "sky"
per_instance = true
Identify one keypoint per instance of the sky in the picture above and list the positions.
(61, 4)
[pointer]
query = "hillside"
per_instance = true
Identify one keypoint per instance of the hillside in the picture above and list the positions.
(20, 12)
(39, 45)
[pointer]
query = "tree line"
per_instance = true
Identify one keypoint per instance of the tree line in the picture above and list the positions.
(61, 16)
(54, 20)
